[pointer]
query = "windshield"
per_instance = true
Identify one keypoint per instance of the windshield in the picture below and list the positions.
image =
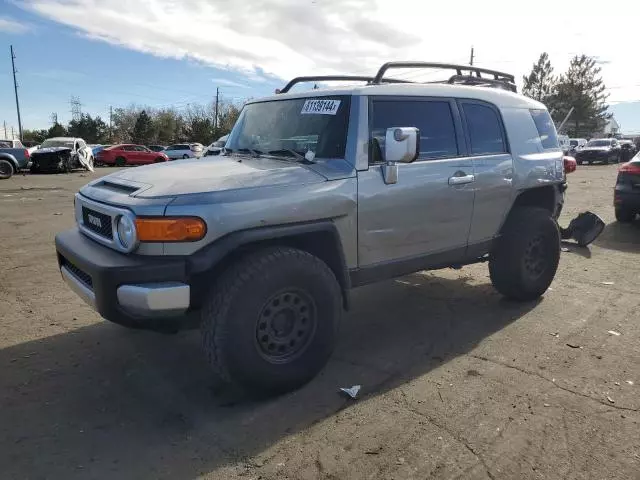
(573, 143)
(599, 143)
(286, 127)
(57, 143)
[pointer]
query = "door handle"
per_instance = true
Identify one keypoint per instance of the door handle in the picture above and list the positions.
(462, 180)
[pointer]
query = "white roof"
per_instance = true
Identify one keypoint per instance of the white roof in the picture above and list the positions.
(63, 139)
(497, 96)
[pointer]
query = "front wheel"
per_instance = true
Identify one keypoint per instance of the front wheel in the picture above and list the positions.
(525, 258)
(270, 322)
(185, 156)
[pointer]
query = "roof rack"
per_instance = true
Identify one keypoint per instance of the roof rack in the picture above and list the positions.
(465, 75)
(333, 78)
(499, 80)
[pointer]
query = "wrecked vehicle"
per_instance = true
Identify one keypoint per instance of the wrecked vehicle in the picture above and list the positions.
(62, 155)
(315, 193)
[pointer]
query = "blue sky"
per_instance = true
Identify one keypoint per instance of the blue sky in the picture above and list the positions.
(167, 53)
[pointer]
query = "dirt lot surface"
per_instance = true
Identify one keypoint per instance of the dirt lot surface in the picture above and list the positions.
(456, 382)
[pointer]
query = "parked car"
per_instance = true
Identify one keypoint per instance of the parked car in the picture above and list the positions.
(319, 192)
(129, 154)
(62, 154)
(565, 145)
(603, 150)
(627, 150)
(184, 150)
(216, 147)
(13, 158)
(156, 148)
(626, 197)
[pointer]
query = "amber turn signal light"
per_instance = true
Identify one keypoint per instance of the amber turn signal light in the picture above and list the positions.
(168, 229)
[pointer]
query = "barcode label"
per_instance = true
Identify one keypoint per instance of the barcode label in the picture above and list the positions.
(320, 107)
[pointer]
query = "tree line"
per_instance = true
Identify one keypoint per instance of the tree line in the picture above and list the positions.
(581, 87)
(147, 126)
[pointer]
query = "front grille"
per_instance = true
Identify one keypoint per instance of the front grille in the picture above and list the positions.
(97, 222)
(84, 277)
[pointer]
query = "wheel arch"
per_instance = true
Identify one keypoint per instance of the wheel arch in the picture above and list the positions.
(320, 239)
(12, 160)
(545, 197)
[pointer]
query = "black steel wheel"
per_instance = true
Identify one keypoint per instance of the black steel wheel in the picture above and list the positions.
(525, 257)
(286, 324)
(270, 321)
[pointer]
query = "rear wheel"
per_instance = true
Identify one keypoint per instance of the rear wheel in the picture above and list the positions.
(6, 169)
(120, 162)
(185, 156)
(270, 322)
(624, 215)
(525, 258)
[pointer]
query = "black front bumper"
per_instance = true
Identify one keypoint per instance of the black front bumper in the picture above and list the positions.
(103, 270)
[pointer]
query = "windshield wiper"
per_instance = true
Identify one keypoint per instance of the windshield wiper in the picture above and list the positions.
(297, 155)
(251, 151)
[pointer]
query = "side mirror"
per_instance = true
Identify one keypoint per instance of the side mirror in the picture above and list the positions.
(402, 144)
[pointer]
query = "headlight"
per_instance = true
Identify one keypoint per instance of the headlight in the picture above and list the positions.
(126, 229)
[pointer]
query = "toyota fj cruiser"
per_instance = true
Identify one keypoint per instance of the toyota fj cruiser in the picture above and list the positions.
(316, 193)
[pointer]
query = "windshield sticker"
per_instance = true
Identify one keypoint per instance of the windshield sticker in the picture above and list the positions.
(320, 107)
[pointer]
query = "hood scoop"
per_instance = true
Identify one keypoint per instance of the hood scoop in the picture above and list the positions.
(116, 187)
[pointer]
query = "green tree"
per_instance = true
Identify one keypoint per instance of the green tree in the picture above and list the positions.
(168, 126)
(38, 136)
(143, 131)
(92, 130)
(56, 130)
(582, 88)
(540, 83)
(124, 121)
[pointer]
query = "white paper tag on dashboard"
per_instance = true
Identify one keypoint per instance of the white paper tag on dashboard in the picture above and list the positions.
(320, 107)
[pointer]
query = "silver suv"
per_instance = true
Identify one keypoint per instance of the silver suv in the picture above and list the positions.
(316, 193)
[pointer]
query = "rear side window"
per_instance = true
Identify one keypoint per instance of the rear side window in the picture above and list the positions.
(546, 128)
(485, 129)
(433, 118)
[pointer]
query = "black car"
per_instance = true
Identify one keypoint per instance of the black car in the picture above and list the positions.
(603, 150)
(626, 197)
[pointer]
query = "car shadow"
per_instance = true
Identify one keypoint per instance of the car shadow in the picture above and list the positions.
(105, 402)
(575, 249)
(624, 237)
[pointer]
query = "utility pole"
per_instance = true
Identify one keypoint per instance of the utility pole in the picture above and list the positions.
(215, 121)
(15, 87)
(5, 128)
(471, 59)
(110, 122)
(13, 135)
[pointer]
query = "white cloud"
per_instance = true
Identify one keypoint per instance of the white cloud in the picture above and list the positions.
(9, 25)
(287, 38)
(229, 83)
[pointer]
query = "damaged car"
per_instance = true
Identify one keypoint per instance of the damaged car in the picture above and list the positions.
(62, 155)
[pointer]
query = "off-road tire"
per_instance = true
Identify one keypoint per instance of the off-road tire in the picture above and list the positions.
(6, 169)
(233, 319)
(120, 162)
(624, 215)
(525, 257)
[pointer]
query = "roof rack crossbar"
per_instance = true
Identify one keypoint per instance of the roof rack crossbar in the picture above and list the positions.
(500, 76)
(333, 78)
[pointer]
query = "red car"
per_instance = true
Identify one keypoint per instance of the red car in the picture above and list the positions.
(121, 155)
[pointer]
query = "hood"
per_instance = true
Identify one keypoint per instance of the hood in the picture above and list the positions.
(594, 149)
(210, 174)
(41, 151)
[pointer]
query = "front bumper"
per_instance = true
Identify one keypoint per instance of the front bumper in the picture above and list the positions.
(137, 291)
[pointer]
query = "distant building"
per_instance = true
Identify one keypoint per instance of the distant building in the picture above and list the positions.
(611, 128)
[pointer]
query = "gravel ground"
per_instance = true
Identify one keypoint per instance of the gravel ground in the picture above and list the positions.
(456, 382)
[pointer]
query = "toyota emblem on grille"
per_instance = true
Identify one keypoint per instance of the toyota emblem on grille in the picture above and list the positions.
(94, 220)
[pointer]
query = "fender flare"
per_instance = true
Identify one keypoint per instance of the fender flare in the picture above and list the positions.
(210, 256)
(12, 159)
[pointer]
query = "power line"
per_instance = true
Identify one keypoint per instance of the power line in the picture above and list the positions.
(15, 87)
